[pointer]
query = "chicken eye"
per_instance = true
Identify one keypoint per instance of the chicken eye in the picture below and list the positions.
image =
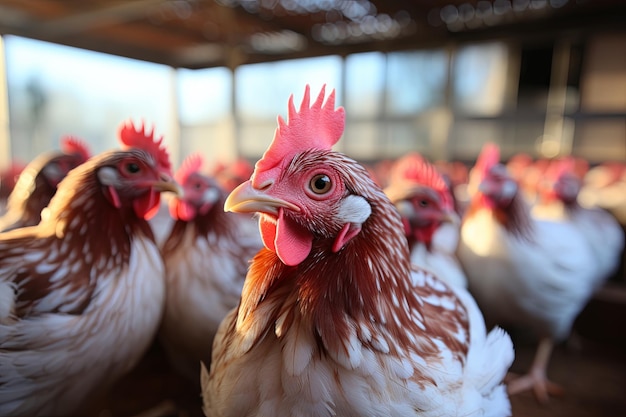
(320, 184)
(132, 168)
(423, 203)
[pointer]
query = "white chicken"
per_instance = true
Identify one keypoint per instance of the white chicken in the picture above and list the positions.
(558, 200)
(522, 271)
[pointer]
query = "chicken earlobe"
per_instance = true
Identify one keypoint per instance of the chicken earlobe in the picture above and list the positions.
(353, 212)
(107, 177)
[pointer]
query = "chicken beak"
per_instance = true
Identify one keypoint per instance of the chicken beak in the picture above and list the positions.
(247, 199)
(450, 217)
(166, 183)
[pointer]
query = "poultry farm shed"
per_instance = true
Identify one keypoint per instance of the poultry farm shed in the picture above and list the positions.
(545, 79)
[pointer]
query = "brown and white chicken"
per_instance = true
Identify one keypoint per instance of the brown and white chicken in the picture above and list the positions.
(38, 182)
(523, 271)
(332, 320)
(82, 292)
(431, 223)
(206, 259)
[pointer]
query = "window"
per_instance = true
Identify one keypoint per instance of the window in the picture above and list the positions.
(56, 90)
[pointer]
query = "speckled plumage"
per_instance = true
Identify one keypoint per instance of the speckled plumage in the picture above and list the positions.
(350, 329)
(206, 258)
(85, 293)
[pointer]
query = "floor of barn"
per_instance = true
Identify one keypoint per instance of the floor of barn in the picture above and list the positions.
(591, 367)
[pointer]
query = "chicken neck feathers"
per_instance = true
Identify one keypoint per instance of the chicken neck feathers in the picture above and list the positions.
(358, 320)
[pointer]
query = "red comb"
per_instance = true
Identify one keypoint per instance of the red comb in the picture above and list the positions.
(414, 168)
(560, 167)
(489, 157)
(73, 145)
(190, 165)
(314, 126)
(131, 137)
(407, 167)
(242, 168)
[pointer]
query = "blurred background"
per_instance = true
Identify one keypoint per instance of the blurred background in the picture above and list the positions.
(441, 77)
(545, 78)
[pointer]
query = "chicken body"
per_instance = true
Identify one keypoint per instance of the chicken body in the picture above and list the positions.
(523, 271)
(332, 319)
(82, 292)
(206, 259)
(559, 202)
(542, 283)
(440, 256)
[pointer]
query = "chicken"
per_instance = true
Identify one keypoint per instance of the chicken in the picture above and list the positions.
(522, 271)
(431, 224)
(332, 320)
(558, 200)
(82, 292)
(206, 258)
(38, 182)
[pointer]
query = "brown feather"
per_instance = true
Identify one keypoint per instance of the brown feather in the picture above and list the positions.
(334, 293)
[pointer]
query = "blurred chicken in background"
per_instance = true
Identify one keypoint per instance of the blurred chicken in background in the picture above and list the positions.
(38, 182)
(558, 200)
(206, 258)
(431, 223)
(525, 272)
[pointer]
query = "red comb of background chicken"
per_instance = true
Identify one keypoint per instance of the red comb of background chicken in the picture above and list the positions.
(316, 126)
(132, 137)
(415, 169)
(489, 156)
(406, 168)
(191, 164)
(73, 145)
(558, 168)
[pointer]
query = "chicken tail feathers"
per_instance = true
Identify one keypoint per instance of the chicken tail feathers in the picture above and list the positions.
(496, 357)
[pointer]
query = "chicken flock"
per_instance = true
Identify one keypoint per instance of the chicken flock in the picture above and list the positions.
(305, 285)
